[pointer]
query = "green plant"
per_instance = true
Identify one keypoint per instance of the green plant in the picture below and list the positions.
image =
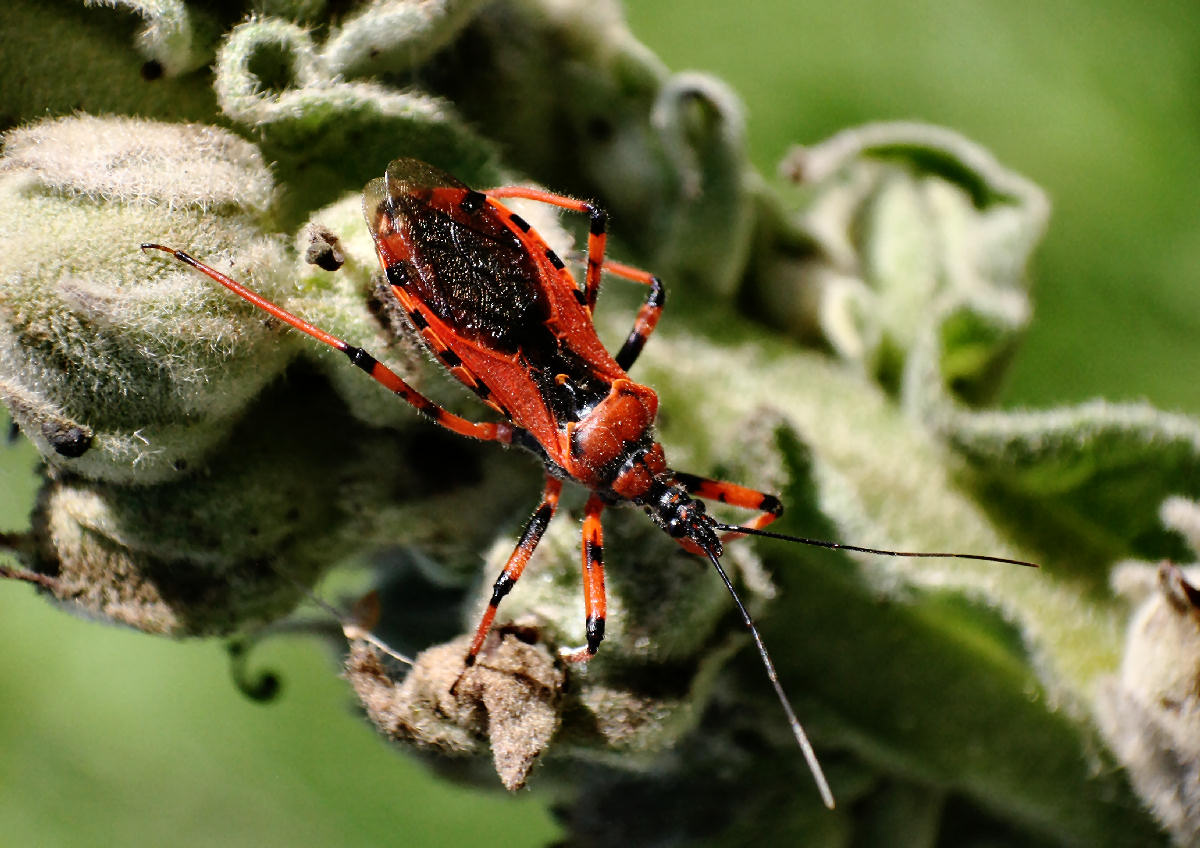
(836, 334)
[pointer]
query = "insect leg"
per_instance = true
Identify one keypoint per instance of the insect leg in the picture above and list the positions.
(594, 600)
(769, 507)
(442, 351)
(597, 230)
(486, 430)
(530, 536)
(648, 315)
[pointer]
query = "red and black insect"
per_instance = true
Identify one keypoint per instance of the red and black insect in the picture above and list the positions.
(498, 308)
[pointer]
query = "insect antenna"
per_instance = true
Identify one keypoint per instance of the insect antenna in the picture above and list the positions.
(358, 623)
(797, 729)
(818, 543)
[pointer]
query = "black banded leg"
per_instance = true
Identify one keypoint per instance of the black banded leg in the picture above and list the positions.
(530, 536)
(769, 507)
(647, 317)
(594, 597)
(597, 230)
(497, 431)
(486, 430)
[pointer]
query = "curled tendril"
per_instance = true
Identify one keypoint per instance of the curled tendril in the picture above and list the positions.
(261, 686)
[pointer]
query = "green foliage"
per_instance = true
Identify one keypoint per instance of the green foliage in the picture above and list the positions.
(833, 334)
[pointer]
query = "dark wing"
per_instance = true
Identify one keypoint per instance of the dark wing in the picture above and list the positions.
(439, 241)
(405, 176)
(478, 282)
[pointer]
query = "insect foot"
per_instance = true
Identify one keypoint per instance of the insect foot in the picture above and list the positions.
(509, 699)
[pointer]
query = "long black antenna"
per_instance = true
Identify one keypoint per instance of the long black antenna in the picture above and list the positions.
(797, 728)
(818, 543)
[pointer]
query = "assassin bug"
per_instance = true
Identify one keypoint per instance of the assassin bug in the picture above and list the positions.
(498, 308)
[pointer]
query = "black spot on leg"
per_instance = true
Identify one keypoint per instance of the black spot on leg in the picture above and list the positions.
(537, 523)
(450, 358)
(771, 504)
(595, 633)
(520, 223)
(658, 294)
(360, 358)
(554, 260)
(690, 482)
(629, 351)
(503, 586)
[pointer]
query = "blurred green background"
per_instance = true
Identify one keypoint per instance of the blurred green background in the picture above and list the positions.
(110, 737)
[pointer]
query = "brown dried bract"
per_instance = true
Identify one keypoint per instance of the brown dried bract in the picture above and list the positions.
(511, 697)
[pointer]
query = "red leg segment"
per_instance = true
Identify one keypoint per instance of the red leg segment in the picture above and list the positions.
(442, 352)
(594, 598)
(486, 430)
(530, 536)
(769, 507)
(647, 317)
(597, 231)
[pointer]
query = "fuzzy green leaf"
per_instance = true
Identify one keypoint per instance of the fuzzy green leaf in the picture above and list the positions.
(206, 467)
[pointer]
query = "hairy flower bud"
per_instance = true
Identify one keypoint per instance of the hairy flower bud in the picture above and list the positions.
(117, 365)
